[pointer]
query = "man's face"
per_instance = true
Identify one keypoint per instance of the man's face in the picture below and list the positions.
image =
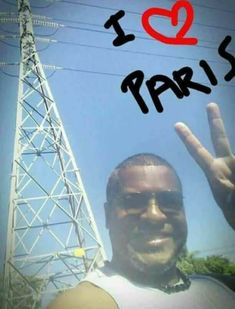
(146, 218)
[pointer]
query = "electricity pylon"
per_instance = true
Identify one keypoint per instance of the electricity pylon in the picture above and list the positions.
(52, 238)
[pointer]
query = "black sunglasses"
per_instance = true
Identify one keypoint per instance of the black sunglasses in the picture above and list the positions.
(167, 201)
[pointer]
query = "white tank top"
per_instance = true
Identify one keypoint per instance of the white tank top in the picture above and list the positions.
(204, 293)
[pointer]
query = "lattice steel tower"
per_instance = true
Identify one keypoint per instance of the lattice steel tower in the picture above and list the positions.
(52, 238)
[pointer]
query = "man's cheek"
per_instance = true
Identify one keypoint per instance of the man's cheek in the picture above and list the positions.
(120, 233)
(179, 223)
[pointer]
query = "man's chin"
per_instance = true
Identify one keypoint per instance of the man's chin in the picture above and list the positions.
(153, 261)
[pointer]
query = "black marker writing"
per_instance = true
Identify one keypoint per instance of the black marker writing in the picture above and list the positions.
(134, 87)
(183, 77)
(181, 83)
(210, 74)
(155, 92)
(122, 38)
(224, 54)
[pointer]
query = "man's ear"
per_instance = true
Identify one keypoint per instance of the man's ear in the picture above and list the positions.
(107, 214)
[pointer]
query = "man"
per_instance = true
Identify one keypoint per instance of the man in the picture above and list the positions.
(147, 226)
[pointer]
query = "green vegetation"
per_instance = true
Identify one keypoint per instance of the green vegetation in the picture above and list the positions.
(24, 292)
(189, 263)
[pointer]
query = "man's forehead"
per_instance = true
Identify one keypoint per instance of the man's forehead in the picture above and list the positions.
(148, 178)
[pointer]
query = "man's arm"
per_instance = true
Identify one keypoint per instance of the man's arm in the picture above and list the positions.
(219, 170)
(84, 296)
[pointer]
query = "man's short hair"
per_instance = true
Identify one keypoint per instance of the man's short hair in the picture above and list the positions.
(114, 186)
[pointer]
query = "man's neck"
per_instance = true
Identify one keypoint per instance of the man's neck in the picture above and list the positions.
(150, 277)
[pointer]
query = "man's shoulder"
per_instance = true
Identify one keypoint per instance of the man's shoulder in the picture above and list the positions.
(222, 280)
(85, 296)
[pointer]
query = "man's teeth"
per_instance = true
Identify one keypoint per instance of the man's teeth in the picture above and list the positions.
(155, 241)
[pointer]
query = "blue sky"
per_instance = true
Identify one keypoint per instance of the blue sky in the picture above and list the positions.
(103, 124)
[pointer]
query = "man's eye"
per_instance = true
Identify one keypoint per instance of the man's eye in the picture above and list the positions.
(133, 202)
(171, 201)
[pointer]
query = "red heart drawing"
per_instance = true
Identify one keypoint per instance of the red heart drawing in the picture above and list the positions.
(173, 14)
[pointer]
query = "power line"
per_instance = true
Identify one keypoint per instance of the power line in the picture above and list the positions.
(132, 52)
(132, 12)
(207, 26)
(60, 68)
(42, 7)
(91, 72)
(51, 34)
(121, 50)
(7, 2)
(103, 31)
(9, 44)
(137, 13)
(208, 7)
(116, 50)
(111, 33)
(107, 32)
(97, 6)
(6, 64)
(121, 75)
(114, 9)
(8, 74)
(69, 69)
(124, 28)
(128, 11)
(7, 31)
(9, 36)
(45, 35)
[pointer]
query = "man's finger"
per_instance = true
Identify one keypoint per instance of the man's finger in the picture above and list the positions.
(200, 154)
(218, 133)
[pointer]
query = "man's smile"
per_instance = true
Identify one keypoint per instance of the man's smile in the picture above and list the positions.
(150, 241)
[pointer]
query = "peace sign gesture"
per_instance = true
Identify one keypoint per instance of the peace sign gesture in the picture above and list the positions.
(220, 171)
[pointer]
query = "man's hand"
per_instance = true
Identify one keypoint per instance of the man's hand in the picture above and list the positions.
(220, 171)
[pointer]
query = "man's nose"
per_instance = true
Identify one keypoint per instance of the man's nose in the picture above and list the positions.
(153, 211)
